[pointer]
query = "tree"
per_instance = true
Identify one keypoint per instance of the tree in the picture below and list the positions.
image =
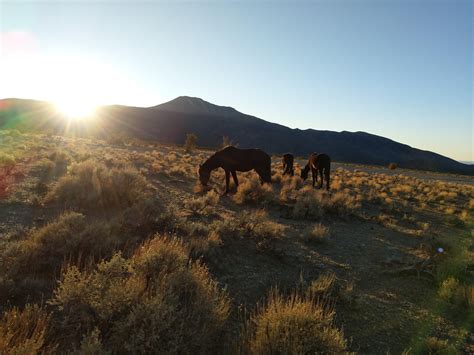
(190, 143)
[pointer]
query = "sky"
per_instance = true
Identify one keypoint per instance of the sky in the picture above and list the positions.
(402, 69)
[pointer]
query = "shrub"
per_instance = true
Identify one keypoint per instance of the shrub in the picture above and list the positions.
(156, 301)
(7, 162)
(453, 292)
(198, 205)
(190, 143)
(323, 287)
(293, 325)
(317, 233)
(437, 346)
(24, 332)
(252, 191)
(71, 237)
(308, 204)
(205, 246)
(392, 166)
(91, 185)
(340, 203)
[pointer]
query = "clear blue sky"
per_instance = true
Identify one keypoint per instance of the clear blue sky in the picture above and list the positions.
(401, 69)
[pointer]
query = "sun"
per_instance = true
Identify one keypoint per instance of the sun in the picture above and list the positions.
(75, 109)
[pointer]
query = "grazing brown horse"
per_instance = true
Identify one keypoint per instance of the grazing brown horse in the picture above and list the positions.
(318, 163)
(233, 159)
(288, 164)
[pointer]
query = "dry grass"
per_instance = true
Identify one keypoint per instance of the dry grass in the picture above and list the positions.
(317, 233)
(203, 204)
(293, 325)
(24, 331)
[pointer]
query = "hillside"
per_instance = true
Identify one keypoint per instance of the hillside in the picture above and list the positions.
(169, 123)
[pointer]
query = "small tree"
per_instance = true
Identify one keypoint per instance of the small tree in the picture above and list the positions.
(226, 141)
(190, 143)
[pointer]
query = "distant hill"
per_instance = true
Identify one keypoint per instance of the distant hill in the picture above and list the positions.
(169, 123)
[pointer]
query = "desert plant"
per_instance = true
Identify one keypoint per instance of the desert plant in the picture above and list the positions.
(154, 301)
(190, 142)
(71, 237)
(201, 205)
(91, 185)
(24, 331)
(293, 325)
(308, 204)
(317, 233)
(253, 192)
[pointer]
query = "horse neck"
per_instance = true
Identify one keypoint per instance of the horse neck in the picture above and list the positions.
(212, 163)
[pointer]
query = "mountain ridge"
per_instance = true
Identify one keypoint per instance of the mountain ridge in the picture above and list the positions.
(171, 121)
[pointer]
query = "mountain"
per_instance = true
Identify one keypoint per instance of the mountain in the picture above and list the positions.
(169, 123)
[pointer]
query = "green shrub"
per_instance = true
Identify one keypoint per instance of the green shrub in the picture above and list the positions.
(155, 301)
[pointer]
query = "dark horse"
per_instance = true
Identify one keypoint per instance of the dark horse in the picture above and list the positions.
(288, 164)
(233, 159)
(318, 163)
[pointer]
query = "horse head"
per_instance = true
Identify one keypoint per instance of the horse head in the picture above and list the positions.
(204, 175)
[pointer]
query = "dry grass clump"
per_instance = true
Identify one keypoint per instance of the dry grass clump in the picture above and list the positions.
(206, 246)
(293, 325)
(91, 185)
(7, 162)
(308, 204)
(256, 224)
(435, 345)
(317, 233)
(341, 204)
(313, 204)
(290, 185)
(202, 205)
(452, 291)
(156, 301)
(24, 331)
(323, 287)
(251, 191)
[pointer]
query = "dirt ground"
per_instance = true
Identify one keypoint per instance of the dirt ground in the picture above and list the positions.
(384, 302)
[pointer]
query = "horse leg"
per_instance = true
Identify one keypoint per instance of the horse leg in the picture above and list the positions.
(234, 175)
(227, 177)
(321, 176)
(327, 173)
(314, 174)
